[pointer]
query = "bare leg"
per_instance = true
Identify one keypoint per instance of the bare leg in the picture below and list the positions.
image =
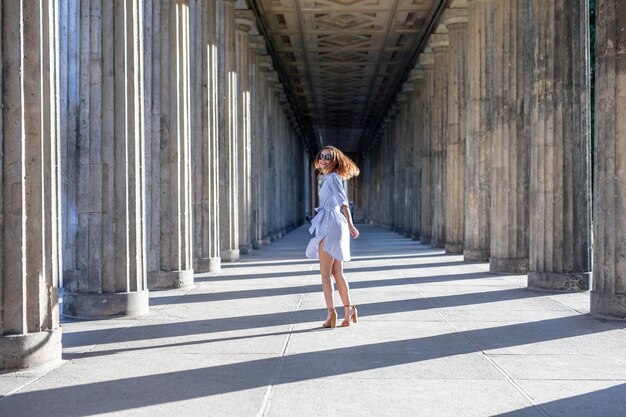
(342, 287)
(326, 266)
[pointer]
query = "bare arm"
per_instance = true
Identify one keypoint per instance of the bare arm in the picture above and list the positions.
(353, 230)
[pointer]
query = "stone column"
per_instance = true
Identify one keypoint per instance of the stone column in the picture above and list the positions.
(409, 147)
(426, 61)
(455, 20)
(206, 151)
(170, 257)
(272, 146)
(608, 296)
(244, 22)
(559, 172)
(269, 77)
(417, 138)
(511, 138)
(399, 184)
(30, 334)
(259, 75)
(439, 43)
(479, 124)
(227, 130)
(108, 274)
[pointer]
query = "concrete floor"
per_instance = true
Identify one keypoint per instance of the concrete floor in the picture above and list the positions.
(436, 337)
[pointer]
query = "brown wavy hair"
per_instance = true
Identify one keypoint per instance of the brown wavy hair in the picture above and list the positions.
(339, 164)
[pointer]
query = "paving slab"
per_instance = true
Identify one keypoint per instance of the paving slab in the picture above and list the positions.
(436, 337)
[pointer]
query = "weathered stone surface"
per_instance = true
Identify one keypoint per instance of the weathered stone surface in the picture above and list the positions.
(205, 141)
(417, 137)
(105, 217)
(559, 173)
(608, 295)
(455, 20)
(244, 23)
(479, 131)
(30, 187)
(227, 96)
(170, 256)
(426, 61)
(439, 42)
(511, 137)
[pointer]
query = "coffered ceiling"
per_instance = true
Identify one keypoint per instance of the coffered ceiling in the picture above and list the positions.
(343, 61)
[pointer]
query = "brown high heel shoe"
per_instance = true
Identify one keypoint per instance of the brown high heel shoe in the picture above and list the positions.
(354, 317)
(331, 323)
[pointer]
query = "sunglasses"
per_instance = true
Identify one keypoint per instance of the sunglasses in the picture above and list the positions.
(327, 157)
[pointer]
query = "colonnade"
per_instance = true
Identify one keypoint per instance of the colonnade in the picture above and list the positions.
(144, 140)
(501, 149)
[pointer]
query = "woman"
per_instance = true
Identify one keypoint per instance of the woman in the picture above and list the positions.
(331, 244)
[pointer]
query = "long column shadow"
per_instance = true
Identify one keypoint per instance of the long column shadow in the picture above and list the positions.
(312, 288)
(347, 269)
(136, 392)
(222, 324)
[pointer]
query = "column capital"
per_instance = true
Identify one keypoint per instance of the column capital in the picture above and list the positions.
(439, 41)
(257, 44)
(243, 22)
(426, 59)
(416, 75)
(455, 19)
(266, 64)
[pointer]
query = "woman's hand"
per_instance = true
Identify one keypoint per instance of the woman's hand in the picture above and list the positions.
(353, 231)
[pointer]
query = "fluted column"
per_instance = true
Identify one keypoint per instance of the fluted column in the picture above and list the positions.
(417, 136)
(244, 22)
(206, 153)
(399, 187)
(30, 334)
(257, 46)
(270, 77)
(439, 43)
(511, 138)
(608, 296)
(479, 124)
(227, 130)
(106, 275)
(455, 20)
(559, 173)
(170, 257)
(426, 195)
(410, 189)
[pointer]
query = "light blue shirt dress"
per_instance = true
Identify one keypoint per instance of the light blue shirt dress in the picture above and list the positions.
(329, 224)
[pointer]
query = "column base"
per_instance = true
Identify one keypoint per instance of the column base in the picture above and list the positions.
(245, 249)
(425, 240)
(608, 306)
(476, 255)
(105, 305)
(437, 243)
(509, 265)
(163, 280)
(257, 244)
(209, 265)
(30, 350)
(407, 233)
(265, 240)
(415, 236)
(454, 248)
(559, 281)
(230, 255)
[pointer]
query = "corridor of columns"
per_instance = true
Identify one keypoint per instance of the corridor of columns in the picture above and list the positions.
(157, 179)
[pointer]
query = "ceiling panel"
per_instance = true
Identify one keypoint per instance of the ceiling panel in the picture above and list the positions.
(344, 60)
